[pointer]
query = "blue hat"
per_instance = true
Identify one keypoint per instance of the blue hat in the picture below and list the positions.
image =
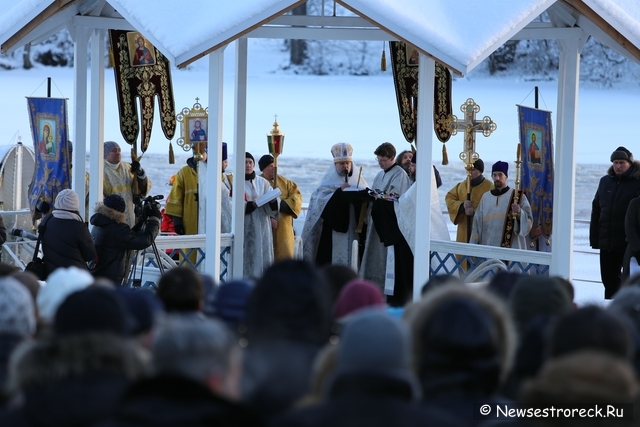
(224, 151)
(500, 167)
(231, 299)
(115, 202)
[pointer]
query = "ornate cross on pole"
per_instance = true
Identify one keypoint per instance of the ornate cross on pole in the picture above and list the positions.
(471, 126)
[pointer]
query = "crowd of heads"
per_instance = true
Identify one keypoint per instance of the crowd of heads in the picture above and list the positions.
(302, 339)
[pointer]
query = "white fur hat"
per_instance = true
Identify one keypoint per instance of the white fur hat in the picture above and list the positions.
(60, 284)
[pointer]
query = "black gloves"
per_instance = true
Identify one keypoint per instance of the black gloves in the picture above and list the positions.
(135, 168)
(249, 208)
(153, 210)
(177, 225)
(274, 205)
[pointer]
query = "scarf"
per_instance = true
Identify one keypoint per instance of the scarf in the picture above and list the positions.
(250, 177)
(65, 214)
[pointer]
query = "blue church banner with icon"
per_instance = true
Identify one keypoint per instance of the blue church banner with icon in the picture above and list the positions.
(537, 164)
(49, 130)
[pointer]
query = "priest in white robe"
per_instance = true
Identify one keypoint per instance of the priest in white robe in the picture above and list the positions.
(333, 213)
(258, 223)
(499, 221)
(387, 258)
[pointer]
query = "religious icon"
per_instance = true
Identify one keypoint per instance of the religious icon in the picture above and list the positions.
(413, 55)
(198, 130)
(534, 152)
(47, 144)
(141, 51)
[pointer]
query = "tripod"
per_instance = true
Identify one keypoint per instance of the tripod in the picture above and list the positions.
(132, 274)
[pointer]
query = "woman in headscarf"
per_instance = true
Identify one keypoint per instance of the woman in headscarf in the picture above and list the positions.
(65, 239)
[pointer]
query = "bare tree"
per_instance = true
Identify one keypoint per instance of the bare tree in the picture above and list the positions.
(298, 47)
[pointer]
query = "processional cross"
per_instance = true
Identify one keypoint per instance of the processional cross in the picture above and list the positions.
(471, 126)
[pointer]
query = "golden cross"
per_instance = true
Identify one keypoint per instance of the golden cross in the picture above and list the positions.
(471, 126)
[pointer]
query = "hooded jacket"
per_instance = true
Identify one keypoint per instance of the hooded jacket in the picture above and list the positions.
(65, 243)
(609, 208)
(115, 242)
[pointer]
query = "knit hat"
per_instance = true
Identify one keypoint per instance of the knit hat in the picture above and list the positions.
(341, 152)
(142, 306)
(479, 164)
(500, 167)
(17, 313)
(60, 283)
(115, 202)
(538, 295)
(94, 309)
(374, 342)
(108, 146)
(224, 151)
(248, 155)
(622, 153)
(230, 301)
(67, 200)
(265, 161)
(356, 295)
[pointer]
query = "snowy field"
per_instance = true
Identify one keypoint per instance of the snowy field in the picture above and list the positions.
(317, 111)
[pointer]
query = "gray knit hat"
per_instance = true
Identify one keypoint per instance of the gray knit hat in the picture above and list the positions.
(108, 146)
(17, 312)
(373, 342)
(622, 153)
(68, 200)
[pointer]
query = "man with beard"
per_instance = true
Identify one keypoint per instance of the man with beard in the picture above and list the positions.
(499, 220)
(290, 208)
(334, 211)
(460, 209)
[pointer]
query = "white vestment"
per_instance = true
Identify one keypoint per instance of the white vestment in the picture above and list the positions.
(258, 237)
(312, 230)
(375, 260)
(489, 221)
(406, 214)
(225, 198)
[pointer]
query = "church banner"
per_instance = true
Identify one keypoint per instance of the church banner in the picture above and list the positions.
(49, 129)
(142, 73)
(537, 164)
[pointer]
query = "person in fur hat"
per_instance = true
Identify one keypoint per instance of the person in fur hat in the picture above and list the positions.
(115, 241)
(607, 228)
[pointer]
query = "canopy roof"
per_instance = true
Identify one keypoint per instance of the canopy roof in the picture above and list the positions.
(459, 34)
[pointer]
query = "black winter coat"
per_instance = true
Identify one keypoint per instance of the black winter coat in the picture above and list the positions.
(609, 208)
(367, 400)
(115, 242)
(65, 243)
(171, 401)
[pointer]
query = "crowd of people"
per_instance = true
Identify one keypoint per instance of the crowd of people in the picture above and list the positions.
(308, 346)
(315, 341)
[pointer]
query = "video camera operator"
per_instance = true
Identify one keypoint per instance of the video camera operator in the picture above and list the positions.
(115, 241)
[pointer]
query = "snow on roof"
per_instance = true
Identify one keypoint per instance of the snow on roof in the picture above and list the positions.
(623, 15)
(19, 15)
(459, 33)
(196, 26)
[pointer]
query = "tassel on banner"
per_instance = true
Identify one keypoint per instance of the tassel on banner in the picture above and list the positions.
(172, 157)
(383, 60)
(445, 157)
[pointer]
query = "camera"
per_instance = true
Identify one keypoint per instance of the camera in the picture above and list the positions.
(147, 204)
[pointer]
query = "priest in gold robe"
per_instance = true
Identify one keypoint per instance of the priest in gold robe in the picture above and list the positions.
(461, 210)
(289, 208)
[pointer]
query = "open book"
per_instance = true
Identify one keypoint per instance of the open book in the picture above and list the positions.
(267, 197)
